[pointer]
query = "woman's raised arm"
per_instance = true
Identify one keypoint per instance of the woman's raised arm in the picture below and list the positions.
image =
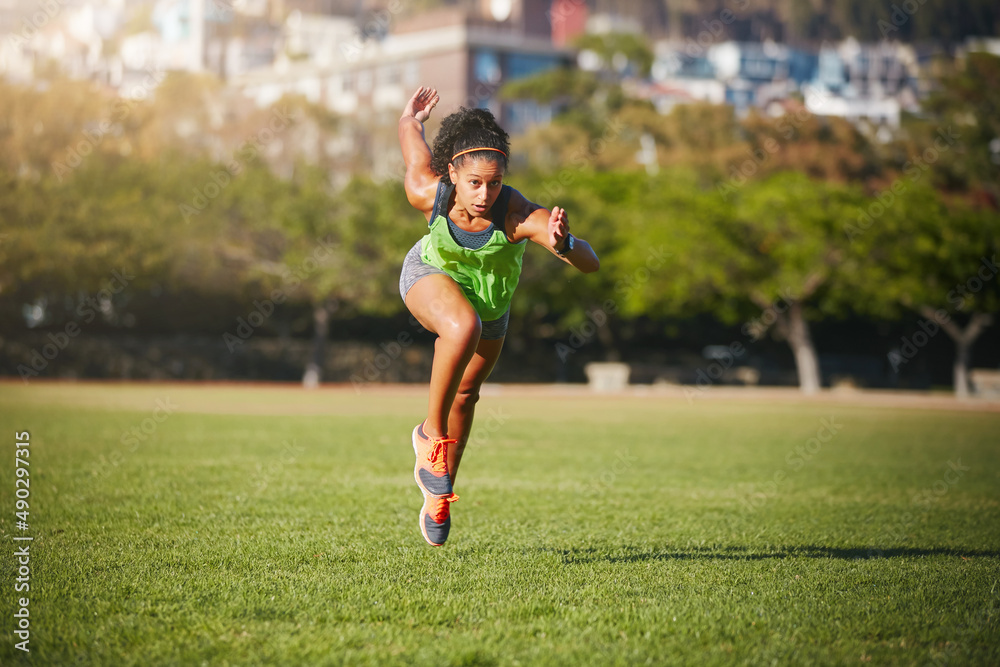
(420, 181)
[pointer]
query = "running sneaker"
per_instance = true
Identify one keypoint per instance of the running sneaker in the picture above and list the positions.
(431, 469)
(435, 519)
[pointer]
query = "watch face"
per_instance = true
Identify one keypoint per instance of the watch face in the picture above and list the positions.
(567, 245)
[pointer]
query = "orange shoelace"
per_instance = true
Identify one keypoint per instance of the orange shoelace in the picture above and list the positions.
(439, 454)
(443, 509)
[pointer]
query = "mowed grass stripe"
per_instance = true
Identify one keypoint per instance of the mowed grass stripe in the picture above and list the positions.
(590, 531)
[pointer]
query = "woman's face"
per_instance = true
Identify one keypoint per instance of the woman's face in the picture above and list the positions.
(477, 185)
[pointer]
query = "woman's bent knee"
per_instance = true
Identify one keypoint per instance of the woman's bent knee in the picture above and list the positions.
(462, 327)
(467, 398)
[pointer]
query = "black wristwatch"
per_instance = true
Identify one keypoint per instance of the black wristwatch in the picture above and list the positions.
(567, 246)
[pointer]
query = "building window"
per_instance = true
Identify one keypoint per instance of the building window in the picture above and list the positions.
(520, 65)
(387, 75)
(486, 66)
(364, 83)
(411, 73)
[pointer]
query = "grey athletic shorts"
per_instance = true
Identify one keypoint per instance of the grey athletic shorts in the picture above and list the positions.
(414, 268)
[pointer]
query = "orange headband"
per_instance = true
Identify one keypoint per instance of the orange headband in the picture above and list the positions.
(472, 150)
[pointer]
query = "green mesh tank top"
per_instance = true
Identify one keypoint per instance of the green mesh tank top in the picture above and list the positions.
(487, 275)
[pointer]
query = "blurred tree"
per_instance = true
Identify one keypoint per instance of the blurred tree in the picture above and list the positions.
(708, 138)
(41, 128)
(563, 87)
(621, 53)
(961, 139)
(61, 239)
(341, 254)
(296, 255)
(929, 20)
(936, 259)
(824, 148)
(186, 112)
(552, 296)
(777, 244)
(796, 261)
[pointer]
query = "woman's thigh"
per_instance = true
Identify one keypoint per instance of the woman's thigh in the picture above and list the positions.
(440, 306)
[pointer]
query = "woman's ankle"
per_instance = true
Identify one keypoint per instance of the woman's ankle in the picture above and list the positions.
(432, 433)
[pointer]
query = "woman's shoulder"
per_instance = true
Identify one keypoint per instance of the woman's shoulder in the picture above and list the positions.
(519, 207)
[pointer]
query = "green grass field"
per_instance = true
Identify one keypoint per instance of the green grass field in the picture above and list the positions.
(269, 525)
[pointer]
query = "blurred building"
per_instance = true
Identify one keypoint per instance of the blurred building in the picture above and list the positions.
(68, 35)
(866, 82)
(869, 83)
(467, 53)
(363, 58)
(568, 19)
(225, 37)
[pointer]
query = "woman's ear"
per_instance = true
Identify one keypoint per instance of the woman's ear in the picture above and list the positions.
(452, 174)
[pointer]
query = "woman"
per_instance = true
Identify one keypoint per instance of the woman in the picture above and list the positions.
(458, 280)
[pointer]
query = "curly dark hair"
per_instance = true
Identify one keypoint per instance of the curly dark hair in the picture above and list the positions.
(465, 129)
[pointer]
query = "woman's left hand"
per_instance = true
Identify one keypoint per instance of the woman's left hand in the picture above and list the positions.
(558, 227)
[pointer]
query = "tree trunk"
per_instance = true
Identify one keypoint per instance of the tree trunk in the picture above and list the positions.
(964, 338)
(321, 327)
(961, 368)
(791, 325)
(796, 332)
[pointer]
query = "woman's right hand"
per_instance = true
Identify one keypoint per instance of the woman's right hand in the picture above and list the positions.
(421, 103)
